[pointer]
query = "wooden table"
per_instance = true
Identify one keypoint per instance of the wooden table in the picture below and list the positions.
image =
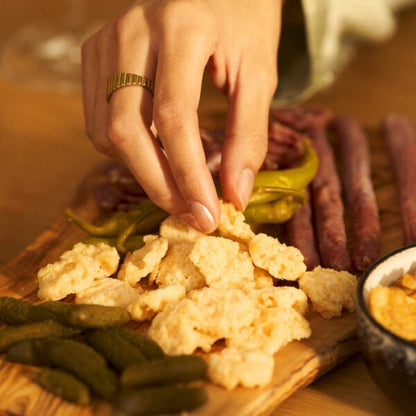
(44, 154)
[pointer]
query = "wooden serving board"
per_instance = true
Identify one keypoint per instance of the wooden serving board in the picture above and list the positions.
(296, 365)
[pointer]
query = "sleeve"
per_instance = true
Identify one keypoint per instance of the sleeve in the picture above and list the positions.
(320, 36)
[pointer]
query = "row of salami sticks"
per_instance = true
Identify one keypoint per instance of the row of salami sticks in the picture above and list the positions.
(318, 229)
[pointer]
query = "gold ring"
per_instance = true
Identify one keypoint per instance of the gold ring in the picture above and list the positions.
(125, 79)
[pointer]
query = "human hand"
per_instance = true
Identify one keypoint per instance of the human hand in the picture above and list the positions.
(172, 42)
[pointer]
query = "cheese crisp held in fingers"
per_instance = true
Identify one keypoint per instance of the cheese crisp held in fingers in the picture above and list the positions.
(148, 304)
(177, 268)
(141, 262)
(76, 270)
(329, 291)
(281, 261)
(233, 224)
(177, 231)
(108, 292)
(248, 368)
(229, 267)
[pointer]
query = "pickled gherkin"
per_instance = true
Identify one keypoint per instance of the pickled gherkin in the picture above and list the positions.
(147, 346)
(64, 385)
(16, 311)
(96, 316)
(173, 369)
(160, 400)
(14, 334)
(80, 360)
(57, 308)
(119, 352)
(25, 352)
(85, 315)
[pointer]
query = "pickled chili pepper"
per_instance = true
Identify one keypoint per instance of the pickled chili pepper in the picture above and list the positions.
(272, 193)
(151, 221)
(133, 227)
(110, 228)
(294, 178)
(277, 195)
(121, 220)
(277, 211)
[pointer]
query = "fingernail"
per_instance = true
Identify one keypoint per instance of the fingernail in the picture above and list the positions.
(245, 187)
(200, 217)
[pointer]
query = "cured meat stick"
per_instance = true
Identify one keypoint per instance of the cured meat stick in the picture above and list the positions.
(328, 206)
(301, 234)
(358, 191)
(326, 187)
(285, 145)
(400, 136)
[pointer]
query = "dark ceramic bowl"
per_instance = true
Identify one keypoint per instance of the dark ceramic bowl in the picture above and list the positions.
(391, 360)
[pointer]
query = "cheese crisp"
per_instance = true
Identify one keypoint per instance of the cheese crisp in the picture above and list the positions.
(108, 292)
(231, 367)
(233, 224)
(329, 291)
(272, 330)
(76, 270)
(281, 261)
(177, 231)
(177, 268)
(151, 302)
(142, 261)
(175, 328)
(225, 311)
(221, 262)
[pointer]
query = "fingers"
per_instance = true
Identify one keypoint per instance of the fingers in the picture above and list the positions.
(128, 126)
(246, 135)
(181, 62)
(106, 51)
(129, 130)
(140, 151)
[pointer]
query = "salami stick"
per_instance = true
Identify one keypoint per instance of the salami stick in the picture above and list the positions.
(359, 192)
(401, 143)
(301, 119)
(326, 187)
(301, 234)
(328, 206)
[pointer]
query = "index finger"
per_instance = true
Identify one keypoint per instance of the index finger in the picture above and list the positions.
(181, 64)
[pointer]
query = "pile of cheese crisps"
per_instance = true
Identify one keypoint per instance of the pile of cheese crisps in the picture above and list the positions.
(197, 290)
